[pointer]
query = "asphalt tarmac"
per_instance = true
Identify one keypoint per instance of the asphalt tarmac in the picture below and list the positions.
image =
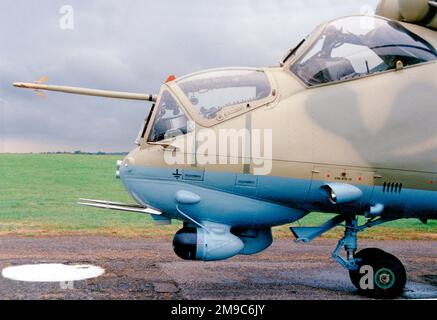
(148, 269)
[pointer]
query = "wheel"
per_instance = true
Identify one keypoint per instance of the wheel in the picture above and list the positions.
(355, 275)
(385, 277)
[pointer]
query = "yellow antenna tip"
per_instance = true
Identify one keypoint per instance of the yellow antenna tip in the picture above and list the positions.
(42, 80)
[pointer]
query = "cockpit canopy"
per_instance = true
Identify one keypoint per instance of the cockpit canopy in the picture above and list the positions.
(209, 96)
(357, 46)
(212, 92)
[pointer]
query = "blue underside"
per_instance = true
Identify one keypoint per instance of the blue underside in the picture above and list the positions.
(244, 200)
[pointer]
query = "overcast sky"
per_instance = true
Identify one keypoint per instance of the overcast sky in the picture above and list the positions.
(131, 45)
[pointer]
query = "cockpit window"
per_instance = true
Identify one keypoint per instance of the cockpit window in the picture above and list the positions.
(358, 46)
(170, 120)
(210, 92)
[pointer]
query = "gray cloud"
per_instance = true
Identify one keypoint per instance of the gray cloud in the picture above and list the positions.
(130, 45)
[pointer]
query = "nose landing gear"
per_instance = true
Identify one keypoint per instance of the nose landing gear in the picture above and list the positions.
(374, 272)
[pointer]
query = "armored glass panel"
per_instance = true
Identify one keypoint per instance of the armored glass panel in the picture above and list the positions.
(170, 121)
(358, 46)
(212, 91)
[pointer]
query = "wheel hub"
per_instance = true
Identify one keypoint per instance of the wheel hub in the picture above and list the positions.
(384, 278)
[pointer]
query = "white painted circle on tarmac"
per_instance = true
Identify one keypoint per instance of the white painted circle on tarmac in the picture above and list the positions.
(52, 272)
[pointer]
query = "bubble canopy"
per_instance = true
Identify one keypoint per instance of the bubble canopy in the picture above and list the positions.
(212, 91)
(357, 46)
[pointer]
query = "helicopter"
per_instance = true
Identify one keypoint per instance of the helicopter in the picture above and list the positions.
(344, 124)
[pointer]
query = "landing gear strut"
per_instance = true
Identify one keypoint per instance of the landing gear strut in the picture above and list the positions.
(374, 272)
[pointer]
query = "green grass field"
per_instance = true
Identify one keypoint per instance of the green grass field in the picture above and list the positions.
(38, 195)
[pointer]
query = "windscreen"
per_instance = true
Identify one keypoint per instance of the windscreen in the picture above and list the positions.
(170, 121)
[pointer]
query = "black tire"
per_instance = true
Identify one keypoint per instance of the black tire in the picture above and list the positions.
(355, 275)
(389, 276)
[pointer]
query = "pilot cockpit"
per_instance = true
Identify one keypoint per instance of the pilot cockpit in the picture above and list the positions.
(206, 98)
(358, 46)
